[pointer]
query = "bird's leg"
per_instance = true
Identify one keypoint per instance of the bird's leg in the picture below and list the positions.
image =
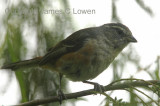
(60, 92)
(97, 87)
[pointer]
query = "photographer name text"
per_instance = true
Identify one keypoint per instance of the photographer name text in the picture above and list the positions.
(22, 11)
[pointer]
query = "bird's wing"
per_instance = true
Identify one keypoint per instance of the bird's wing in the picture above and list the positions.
(71, 44)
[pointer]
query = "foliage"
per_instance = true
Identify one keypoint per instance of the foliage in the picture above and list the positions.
(130, 56)
(24, 20)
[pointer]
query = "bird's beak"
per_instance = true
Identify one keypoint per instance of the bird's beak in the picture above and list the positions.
(132, 39)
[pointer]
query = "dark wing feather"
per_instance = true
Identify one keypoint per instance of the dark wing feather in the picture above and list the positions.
(71, 44)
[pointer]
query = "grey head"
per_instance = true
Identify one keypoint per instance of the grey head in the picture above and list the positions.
(118, 34)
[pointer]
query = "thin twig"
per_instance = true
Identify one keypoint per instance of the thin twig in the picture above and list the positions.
(138, 83)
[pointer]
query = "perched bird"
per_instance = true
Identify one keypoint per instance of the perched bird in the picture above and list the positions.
(84, 54)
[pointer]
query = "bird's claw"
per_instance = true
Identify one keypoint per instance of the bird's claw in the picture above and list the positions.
(99, 88)
(61, 96)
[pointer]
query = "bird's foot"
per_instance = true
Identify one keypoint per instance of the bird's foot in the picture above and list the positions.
(97, 87)
(61, 96)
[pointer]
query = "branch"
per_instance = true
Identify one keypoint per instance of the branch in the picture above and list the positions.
(138, 83)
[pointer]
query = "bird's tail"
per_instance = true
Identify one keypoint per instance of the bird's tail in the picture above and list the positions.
(23, 64)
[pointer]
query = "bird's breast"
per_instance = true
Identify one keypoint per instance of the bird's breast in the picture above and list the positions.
(86, 63)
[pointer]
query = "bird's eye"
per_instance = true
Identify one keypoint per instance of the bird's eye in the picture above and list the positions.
(119, 31)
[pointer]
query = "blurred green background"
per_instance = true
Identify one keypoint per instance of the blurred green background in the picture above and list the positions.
(29, 28)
